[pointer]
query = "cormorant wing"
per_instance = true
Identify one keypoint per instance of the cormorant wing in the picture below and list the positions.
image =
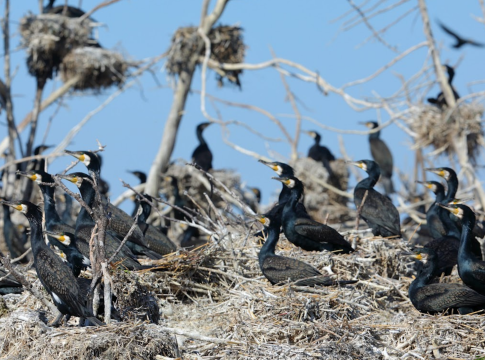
(319, 232)
(379, 210)
(450, 32)
(382, 155)
(445, 296)
(278, 269)
(59, 280)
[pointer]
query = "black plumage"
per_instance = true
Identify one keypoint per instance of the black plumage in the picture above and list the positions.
(460, 41)
(69, 11)
(171, 183)
(155, 239)
(85, 224)
(432, 298)
(377, 211)
(305, 232)
(190, 239)
(435, 225)
(65, 242)
(120, 222)
(278, 269)
(202, 155)
(56, 277)
(382, 156)
(320, 153)
(140, 175)
(440, 100)
(470, 267)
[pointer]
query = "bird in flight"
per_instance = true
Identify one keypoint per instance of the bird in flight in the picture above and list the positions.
(459, 40)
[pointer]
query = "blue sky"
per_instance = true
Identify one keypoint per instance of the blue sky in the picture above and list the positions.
(131, 126)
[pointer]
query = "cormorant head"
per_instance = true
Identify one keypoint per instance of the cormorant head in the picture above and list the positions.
(76, 178)
(445, 172)
(39, 176)
(171, 180)
(140, 175)
(20, 205)
(290, 182)
(41, 148)
(367, 165)
(370, 124)
(257, 194)
(265, 220)
(88, 158)
(459, 210)
(314, 135)
(434, 186)
(64, 238)
(450, 71)
(281, 169)
(202, 126)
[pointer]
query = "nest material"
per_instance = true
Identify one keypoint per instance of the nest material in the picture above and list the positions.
(49, 38)
(227, 46)
(320, 201)
(441, 130)
(97, 68)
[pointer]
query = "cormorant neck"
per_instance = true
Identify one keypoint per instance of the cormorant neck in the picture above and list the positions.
(6, 214)
(51, 215)
(284, 195)
(35, 220)
(452, 188)
(369, 181)
(200, 137)
(88, 194)
(270, 244)
(317, 139)
(426, 274)
(375, 135)
(466, 236)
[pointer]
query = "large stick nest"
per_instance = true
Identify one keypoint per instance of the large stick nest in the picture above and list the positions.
(97, 68)
(227, 46)
(49, 38)
(442, 129)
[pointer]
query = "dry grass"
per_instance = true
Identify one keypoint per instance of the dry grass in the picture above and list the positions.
(97, 68)
(218, 305)
(440, 129)
(227, 46)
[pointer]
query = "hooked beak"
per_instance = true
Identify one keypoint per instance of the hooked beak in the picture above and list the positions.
(12, 204)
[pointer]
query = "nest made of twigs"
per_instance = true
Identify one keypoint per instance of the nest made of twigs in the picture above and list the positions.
(227, 46)
(49, 38)
(320, 201)
(442, 129)
(96, 68)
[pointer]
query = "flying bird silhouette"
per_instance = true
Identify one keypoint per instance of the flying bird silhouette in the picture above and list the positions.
(459, 40)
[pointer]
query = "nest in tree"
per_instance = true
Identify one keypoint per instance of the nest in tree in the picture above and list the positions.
(441, 130)
(227, 46)
(49, 38)
(96, 68)
(319, 200)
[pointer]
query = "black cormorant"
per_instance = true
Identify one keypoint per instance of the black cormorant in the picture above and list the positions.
(286, 171)
(71, 11)
(202, 155)
(85, 223)
(436, 227)
(140, 175)
(307, 233)
(65, 242)
(278, 269)
(320, 153)
(432, 298)
(459, 40)
(56, 277)
(378, 211)
(440, 100)
(382, 156)
(156, 240)
(470, 267)
(120, 222)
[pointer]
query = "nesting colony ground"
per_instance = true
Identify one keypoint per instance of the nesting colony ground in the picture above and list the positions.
(216, 304)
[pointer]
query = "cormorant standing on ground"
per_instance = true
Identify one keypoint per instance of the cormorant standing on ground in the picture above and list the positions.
(55, 276)
(307, 233)
(202, 155)
(278, 269)
(320, 153)
(459, 40)
(470, 267)
(382, 156)
(440, 100)
(378, 211)
(432, 298)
